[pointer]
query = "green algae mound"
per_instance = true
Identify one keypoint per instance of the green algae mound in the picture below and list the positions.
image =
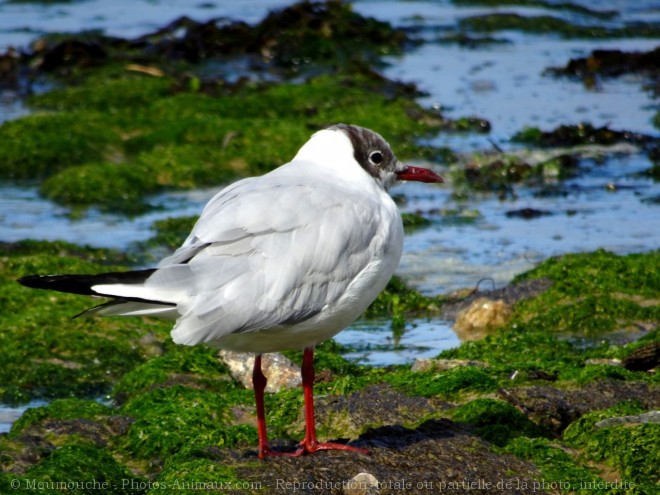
(526, 394)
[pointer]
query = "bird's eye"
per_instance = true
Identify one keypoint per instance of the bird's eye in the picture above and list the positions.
(376, 157)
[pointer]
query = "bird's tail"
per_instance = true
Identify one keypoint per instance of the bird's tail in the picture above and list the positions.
(84, 284)
(111, 284)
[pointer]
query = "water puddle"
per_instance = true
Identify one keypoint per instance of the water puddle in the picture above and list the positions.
(9, 414)
(373, 342)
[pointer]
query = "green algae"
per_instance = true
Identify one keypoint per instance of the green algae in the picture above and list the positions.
(171, 418)
(496, 421)
(182, 404)
(500, 173)
(172, 138)
(567, 6)
(135, 129)
(630, 449)
(45, 353)
(559, 470)
(549, 24)
(60, 409)
(328, 31)
(76, 469)
(398, 299)
(580, 134)
(593, 293)
(41, 144)
(203, 472)
(171, 232)
(450, 384)
(414, 220)
(197, 365)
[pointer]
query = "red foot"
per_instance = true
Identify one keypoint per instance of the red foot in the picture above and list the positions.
(315, 446)
(309, 448)
(267, 452)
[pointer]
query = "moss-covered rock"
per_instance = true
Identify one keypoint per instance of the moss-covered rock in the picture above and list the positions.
(77, 469)
(179, 417)
(631, 449)
(580, 134)
(594, 293)
(496, 421)
(549, 24)
(114, 131)
(44, 352)
(169, 419)
(175, 138)
(60, 409)
(41, 144)
(561, 6)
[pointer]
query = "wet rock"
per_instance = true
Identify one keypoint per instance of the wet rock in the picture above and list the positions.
(279, 370)
(362, 484)
(603, 362)
(9, 68)
(296, 35)
(421, 365)
(497, 175)
(649, 417)
(611, 63)
(510, 294)
(527, 213)
(580, 134)
(93, 431)
(643, 359)
(324, 31)
(33, 448)
(151, 346)
(349, 416)
(70, 53)
(482, 316)
(555, 408)
(435, 457)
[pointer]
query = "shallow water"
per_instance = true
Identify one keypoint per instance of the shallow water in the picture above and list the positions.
(502, 83)
(9, 414)
(373, 342)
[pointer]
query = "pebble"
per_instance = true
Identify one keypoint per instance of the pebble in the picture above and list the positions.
(362, 484)
(474, 322)
(280, 372)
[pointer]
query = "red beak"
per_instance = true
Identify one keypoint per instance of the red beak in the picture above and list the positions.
(419, 174)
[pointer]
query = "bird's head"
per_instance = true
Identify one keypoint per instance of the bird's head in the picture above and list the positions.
(372, 153)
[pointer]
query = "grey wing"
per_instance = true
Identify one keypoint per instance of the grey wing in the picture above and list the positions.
(261, 256)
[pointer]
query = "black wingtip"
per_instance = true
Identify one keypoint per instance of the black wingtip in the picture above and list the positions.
(35, 281)
(74, 284)
(82, 284)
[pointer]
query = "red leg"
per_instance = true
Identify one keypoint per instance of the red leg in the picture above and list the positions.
(259, 385)
(310, 443)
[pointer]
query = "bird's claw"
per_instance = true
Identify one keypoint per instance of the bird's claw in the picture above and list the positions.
(307, 447)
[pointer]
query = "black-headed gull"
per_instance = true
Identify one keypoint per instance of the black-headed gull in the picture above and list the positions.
(281, 261)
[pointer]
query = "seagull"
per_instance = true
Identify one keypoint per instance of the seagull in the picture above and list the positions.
(281, 261)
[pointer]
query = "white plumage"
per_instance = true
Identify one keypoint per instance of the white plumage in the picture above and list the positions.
(281, 261)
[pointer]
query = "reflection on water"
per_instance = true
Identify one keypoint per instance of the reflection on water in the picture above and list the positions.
(8, 414)
(372, 342)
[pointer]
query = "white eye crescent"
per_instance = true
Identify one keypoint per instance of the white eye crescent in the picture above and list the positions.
(376, 157)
